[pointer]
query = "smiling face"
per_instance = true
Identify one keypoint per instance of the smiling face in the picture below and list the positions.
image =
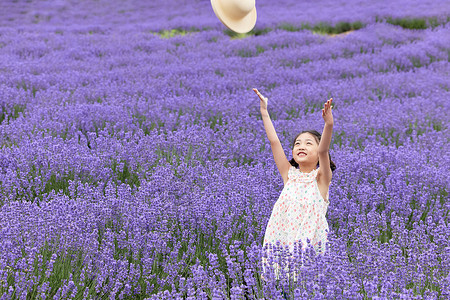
(305, 149)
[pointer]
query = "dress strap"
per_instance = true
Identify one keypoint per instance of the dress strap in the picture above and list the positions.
(291, 172)
(316, 171)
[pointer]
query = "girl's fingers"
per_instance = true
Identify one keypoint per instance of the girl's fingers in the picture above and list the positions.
(327, 105)
(261, 97)
(257, 92)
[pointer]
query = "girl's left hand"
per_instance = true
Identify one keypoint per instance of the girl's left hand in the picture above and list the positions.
(263, 102)
(326, 112)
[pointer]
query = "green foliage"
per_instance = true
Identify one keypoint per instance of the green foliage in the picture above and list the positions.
(167, 34)
(385, 235)
(245, 53)
(413, 23)
(260, 49)
(254, 32)
(289, 27)
(341, 27)
(322, 27)
(216, 120)
(124, 174)
(194, 244)
(68, 266)
(59, 184)
(11, 114)
(140, 120)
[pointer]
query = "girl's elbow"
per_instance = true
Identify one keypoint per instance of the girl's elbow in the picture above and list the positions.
(323, 151)
(274, 141)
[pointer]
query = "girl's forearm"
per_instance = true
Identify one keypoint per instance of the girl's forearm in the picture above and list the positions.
(325, 141)
(270, 130)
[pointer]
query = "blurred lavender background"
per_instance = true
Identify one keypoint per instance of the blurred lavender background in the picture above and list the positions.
(134, 162)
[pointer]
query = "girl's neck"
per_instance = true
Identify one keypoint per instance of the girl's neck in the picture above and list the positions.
(306, 169)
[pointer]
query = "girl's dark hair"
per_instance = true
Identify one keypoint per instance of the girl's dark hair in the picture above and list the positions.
(318, 136)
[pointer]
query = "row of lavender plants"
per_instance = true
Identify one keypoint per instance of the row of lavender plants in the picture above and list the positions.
(194, 15)
(134, 166)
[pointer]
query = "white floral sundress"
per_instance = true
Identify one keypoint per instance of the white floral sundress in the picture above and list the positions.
(299, 213)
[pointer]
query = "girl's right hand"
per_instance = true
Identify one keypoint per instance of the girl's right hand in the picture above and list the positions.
(263, 100)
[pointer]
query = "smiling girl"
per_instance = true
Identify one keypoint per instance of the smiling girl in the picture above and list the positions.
(299, 213)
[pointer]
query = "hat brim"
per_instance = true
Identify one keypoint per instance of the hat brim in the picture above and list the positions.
(243, 25)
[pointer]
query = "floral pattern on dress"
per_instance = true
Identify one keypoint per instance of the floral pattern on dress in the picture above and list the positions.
(299, 213)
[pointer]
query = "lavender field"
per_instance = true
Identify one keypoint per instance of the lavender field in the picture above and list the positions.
(134, 162)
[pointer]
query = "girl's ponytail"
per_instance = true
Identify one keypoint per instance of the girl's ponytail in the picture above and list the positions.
(293, 163)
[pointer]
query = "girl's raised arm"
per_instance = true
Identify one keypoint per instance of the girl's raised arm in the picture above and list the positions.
(324, 145)
(281, 161)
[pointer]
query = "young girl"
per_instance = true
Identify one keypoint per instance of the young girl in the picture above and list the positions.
(299, 213)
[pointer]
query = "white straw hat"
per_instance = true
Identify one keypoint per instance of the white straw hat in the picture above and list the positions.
(238, 15)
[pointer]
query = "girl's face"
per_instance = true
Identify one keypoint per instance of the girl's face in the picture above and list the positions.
(305, 149)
